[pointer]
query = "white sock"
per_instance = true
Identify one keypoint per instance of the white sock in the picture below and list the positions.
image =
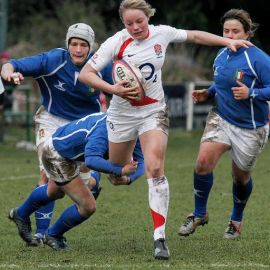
(159, 196)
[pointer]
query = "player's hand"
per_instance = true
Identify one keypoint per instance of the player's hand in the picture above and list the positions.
(129, 168)
(123, 90)
(16, 77)
(234, 44)
(200, 95)
(240, 92)
(119, 180)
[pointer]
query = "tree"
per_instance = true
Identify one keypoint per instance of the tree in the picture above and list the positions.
(35, 26)
(45, 25)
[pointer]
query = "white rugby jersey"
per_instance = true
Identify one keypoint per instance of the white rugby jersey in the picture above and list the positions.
(2, 89)
(148, 55)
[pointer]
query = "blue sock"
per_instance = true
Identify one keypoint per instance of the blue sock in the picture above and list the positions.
(202, 187)
(36, 199)
(69, 219)
(43, 217)
(241, 195)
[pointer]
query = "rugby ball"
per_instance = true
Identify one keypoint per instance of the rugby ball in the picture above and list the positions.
(123, 71)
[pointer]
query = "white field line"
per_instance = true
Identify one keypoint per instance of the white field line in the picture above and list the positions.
(139, 266)
(81, 266)
(18, 178)
(36, 175)
(185, 165)
(245, 265)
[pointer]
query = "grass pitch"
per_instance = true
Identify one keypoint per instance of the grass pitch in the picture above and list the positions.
(119, 234)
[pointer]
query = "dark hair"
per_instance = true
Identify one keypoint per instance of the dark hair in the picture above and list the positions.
(243, 17)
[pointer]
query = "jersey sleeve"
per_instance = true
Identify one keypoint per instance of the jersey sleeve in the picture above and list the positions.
(29, 66)
(172, 34)
(105, 54)
(211, 90)
(37, 65)
(96, 149)
(261, 71)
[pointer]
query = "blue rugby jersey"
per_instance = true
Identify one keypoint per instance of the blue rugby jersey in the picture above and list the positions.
(86, 140)
(252, 67)
(62, 93)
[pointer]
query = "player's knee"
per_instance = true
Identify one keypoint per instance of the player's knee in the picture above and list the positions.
(204, 165)
(240, 180)
(155, 169)
(89, 208)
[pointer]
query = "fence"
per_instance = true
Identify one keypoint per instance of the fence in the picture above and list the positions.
(21, 110)
(182, 111)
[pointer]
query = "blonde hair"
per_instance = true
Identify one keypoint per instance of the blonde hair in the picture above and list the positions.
(136, 4)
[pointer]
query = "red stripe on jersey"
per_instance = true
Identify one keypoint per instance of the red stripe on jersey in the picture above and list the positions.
(148, 34)
(158, 219)
(123, 47)
(145, 101)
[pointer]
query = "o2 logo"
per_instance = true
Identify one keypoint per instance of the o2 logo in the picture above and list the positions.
(151, 76)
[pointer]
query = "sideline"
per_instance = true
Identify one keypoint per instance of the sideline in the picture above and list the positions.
(138, 266)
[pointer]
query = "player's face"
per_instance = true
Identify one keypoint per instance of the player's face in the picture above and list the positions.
(234, 29)
(136, 23)
(78, 49)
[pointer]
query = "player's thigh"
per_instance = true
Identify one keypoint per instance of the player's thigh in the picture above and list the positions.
(46, 124)
(154, 145)
(155, 120)
(54, 191)
(58, 168)
(121, 153)
(122, 135)
(153, 134)
(247, 145)
(211, 151)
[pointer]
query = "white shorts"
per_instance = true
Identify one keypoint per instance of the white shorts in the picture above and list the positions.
(45, 125)
(246, 144)
(127, 125)
(57, 168)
